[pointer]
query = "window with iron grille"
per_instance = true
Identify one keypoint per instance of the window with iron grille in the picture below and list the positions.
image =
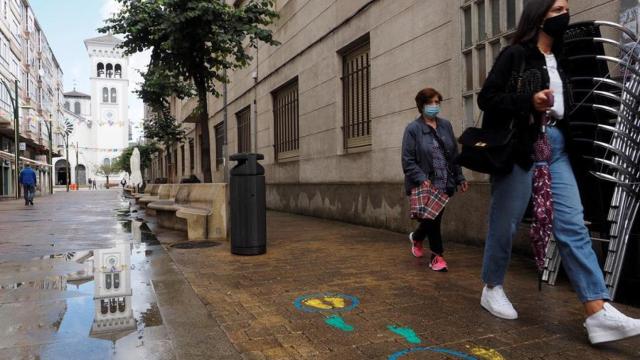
(175, 161)
(192, 159)
(286, 121)
(219, 133)
(355, 96)
(182, 158)
(244, 129)
(487, 28)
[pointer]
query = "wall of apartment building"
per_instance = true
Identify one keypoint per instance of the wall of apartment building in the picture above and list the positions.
(25, 55)
(412, 45)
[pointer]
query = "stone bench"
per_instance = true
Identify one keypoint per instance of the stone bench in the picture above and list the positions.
(153, 195)
(198, 209)
(150, 190)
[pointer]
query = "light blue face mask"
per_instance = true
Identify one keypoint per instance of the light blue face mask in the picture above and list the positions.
(431, 111)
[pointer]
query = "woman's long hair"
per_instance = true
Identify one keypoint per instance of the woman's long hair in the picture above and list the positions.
(532, 17)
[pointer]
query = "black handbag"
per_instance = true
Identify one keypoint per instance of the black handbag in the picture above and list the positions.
(489, 151)
(486, 151)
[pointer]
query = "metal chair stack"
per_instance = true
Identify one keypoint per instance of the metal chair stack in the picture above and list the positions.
(605, 119)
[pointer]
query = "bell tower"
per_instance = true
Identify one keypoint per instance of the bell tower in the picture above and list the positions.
(109, 92)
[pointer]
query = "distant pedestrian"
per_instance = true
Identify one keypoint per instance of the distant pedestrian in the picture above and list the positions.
(123, 182)
(538, 113)
(90, 182)
(28, 180)
(94, 185)
(428, 151)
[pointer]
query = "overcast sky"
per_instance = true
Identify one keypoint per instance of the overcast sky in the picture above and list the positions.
(67, 23)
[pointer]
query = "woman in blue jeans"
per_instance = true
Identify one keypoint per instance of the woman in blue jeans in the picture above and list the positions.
(525, 90)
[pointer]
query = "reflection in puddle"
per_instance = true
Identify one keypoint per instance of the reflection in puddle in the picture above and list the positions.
(105, 295)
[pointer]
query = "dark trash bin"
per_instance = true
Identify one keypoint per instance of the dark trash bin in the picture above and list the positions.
(248, 205)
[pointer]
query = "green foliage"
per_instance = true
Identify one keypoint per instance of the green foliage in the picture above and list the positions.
(193, 40)
(193, 43)
(123, 162)
(107, 170)
(162, 127)
(158, 84)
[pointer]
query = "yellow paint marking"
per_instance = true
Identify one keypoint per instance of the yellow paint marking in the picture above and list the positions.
(326, 303)
(486, 353)
(317, 303)
(337, 302)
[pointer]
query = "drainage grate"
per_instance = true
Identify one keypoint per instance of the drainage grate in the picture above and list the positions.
(194, 244)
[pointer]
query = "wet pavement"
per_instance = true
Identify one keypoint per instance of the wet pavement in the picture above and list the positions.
(324, 290)
(330, 290)
(83, 277)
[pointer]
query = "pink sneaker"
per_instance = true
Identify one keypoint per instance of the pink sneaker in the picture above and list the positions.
(416, 247)
(438, 264)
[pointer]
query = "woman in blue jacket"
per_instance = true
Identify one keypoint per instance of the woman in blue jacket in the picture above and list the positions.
(424, 159)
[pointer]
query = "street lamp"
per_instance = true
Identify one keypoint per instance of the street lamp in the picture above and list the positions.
(49, 125)
(16, 125)
(65, 132)
(77, 162)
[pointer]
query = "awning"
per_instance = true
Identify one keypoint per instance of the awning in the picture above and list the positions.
(9, 156)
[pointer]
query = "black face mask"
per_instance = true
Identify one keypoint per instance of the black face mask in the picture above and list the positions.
(556, 26)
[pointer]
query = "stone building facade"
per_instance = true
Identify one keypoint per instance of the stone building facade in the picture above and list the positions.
(328, 106)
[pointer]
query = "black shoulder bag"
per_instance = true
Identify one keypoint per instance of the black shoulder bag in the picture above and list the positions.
(489, 151)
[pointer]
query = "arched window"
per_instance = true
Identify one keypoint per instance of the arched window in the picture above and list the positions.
(100, 69)
(106, 161)
(105, 95)
(113, 95)
(118, 71)
(76, 107)
(67, 106)
(109, 70)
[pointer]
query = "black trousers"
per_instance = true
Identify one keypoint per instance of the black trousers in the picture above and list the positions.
(430, 229)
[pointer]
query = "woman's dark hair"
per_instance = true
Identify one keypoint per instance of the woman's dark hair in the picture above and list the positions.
(532, 17)
(425, 95)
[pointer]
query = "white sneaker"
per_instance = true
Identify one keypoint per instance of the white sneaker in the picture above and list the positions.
(610, 324)
(495, 301)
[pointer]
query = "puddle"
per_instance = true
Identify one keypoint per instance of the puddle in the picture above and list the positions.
(101, 301)
(186, 245)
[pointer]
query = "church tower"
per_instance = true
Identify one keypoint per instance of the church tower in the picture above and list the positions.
(109, 92)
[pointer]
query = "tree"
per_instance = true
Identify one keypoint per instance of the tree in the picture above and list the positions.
(107, 170)
(193, 43)
(162, 127)
(123, 162)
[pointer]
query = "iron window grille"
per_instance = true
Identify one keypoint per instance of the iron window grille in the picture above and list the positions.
(219, 133)
(286, 118)
(244, 129)
(487, 28)
(356, 86)
(192, 160)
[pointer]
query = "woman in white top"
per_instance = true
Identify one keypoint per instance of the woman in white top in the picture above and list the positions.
(537, 108)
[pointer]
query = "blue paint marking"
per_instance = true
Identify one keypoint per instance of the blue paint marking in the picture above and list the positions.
(337, 322)
(460, 355)
(300, 306)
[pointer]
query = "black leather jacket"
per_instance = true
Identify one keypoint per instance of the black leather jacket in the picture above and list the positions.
(502, 102)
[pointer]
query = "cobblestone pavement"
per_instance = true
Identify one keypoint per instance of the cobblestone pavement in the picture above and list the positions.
(400, 303)
(60, 297)
(324, 290)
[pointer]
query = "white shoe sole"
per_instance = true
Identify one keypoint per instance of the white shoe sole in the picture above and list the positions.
(494, 313)
(608, 336)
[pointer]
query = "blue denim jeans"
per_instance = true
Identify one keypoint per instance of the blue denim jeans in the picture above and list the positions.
(510, 196)
(29, 191)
